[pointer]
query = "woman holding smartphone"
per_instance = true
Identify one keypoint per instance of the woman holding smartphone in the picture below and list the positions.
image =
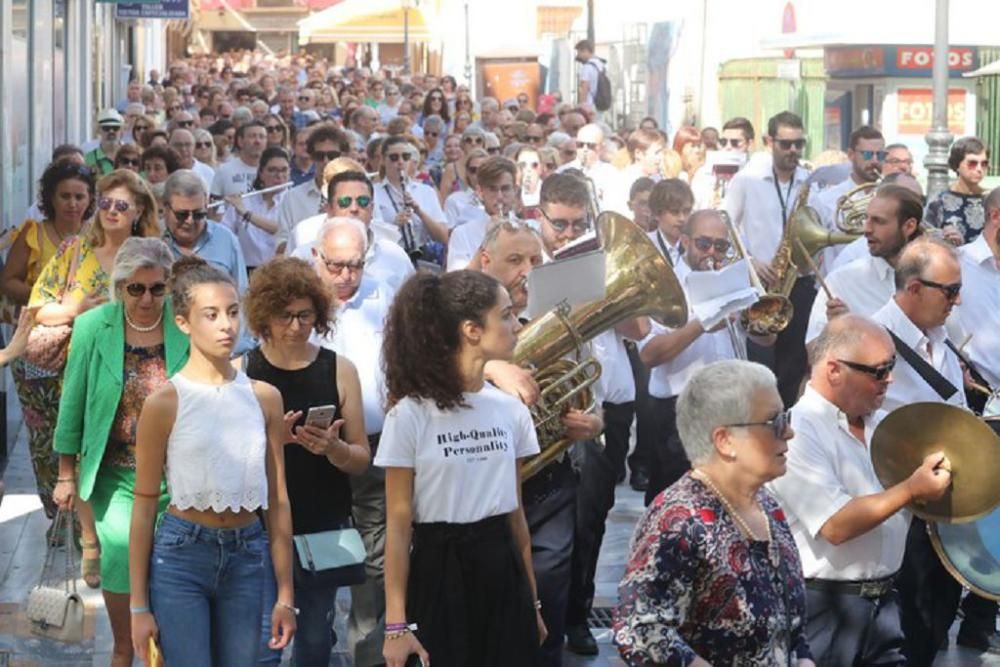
(451, 445)
(325, 443)
(218, 438)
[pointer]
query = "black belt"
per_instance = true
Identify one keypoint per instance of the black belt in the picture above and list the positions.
(871, 588)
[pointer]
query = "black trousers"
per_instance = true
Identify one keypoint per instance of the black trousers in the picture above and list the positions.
(848, 630)
(550, 508)
(645, 419)
(617, 429)
(669, 460)
(595, 496)
(790, 362)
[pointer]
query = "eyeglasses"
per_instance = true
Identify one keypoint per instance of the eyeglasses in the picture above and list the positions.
(182, 215)
(580, 225)
(203, 144)
(493, 151)
(898, 160)
(880, 372)
(337, 268)
(528, 165)
(436, 98)
(274, 128)
(587, 144)
(396, 157)
(120, 205)
(185, 124)
(328, 156)
(473, 140)
(304, 98)
(127, 162)
(345, 201)
(305, 317)
(704, 244)
(725, 142)
(779, 423)
(431, 134)
(138, 289)
(950, 291)
(976, 164)
(868, 155)
(787, 144)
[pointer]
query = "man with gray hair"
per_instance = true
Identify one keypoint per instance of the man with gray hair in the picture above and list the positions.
(364, 120)
(182, 141)
(850, 531)
(604, 178)
(361, 306)
(489, 119)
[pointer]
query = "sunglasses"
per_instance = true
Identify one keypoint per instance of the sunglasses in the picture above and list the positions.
(725, 142)
(138, 289)
(120, 205)
(336, 267)
(536, 140)
(305, 317)
(197, 214)
(779, 423)
(880, 372)
(976, 164)
(528, 165)
(787, 144)
(493, 151)
(436, 98)
(345, 201)
(274, 128)
(396, 157)
(868, 155)
(587, 144)
(704, 244)
(110, 129)
(431, 134)
(304, 98)
(203, 144)
(473, 140)
(950, 291)
(319, 156)
(580, 225)
(185, 124)
(128, 162)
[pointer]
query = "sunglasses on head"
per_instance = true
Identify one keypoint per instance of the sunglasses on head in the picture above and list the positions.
(182, 215)
(725, 142)
(880, 372)
(325, 155)
(138, 289)
(345, 201)
(976, 164)
(950, 291)
(396, 157)
(779, 423)
(704, 244)
(868, 155)
(787, 144)
(120, 205)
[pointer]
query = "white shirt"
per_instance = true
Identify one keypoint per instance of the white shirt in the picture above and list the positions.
(257, 245)
(386, 112)
(670, 378)
(827, 468)
(864, 286)
(606, 181)
(616, 383)
(466, 239)
(907, 386)
(979, 311)
(389, 202)
(357, 334)
(754, 207)
(672, 251)
(854, 250)
(233, 177)
(385, 261)
(464, 460)
(456, 207)
(206, 173)
(301, 202)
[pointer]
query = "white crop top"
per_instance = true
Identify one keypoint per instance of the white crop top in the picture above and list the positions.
(217, 447)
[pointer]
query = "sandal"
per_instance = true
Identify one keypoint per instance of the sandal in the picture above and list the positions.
(90, 568)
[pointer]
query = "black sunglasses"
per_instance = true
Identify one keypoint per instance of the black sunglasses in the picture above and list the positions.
(473, 140)
(197, 214)
(138, 289)
(535, 140)
(587, 144)
(724, 142)
(185, 123)
(325, 155)
(786, 144)
(396, 157)
(274, 128)
(950, 291)
(779, 423)
(203, 144)
(345, 201)
(127, 162)
(880, 372)
(704, 244)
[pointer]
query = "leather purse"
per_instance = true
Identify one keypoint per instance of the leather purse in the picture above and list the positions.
(330, 558)
(48, 346)
(55, 610)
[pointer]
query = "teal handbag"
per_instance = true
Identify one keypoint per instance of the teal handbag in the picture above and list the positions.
(330, 558)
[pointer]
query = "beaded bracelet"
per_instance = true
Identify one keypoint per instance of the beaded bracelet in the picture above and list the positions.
(397, 630)
(538, 605)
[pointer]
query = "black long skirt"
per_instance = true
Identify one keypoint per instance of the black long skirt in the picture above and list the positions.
(469, 596)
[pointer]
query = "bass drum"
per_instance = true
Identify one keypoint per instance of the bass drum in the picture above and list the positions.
(971, 552)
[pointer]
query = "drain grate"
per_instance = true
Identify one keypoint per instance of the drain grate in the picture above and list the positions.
(600, 617)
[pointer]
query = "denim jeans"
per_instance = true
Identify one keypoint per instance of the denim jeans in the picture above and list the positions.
(205, 592)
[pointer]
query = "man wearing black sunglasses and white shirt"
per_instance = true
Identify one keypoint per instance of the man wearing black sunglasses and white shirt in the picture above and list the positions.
(674, 355)
(850, 531)
(736, 143)
(605, 180)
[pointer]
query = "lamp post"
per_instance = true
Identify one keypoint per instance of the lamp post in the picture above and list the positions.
(406, 36)
(939, 138)
(468, 58)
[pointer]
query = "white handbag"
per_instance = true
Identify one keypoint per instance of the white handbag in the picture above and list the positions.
(55, 610)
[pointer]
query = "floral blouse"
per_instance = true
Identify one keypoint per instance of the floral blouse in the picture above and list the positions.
(89, 278)
(956, 208)
(145, 372)
(695, 586)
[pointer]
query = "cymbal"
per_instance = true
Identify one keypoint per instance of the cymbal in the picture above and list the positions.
(910, 433)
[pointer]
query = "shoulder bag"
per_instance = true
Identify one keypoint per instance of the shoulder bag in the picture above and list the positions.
(48, 346)
(330, 558)
(55, 610)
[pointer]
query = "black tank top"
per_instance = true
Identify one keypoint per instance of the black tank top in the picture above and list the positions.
(319, 492)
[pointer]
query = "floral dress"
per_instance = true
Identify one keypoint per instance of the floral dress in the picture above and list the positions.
(695, 586)
(964, 211)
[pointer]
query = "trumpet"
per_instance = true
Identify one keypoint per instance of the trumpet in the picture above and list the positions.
(262, 191)
(735, 337)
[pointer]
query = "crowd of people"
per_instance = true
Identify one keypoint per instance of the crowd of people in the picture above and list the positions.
(291, 295)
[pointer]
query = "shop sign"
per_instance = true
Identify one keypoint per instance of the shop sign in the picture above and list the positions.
(915, 111)
(898, 61)
(162, 9)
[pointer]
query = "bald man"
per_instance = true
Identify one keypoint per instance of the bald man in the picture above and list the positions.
(604, 178)
(850, 531)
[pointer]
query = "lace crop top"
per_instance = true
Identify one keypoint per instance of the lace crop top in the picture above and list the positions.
(217, 447)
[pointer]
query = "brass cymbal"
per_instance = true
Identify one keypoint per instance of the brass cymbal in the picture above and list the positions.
(910, 433)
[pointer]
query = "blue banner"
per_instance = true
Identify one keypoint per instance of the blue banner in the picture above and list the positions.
(164, 9)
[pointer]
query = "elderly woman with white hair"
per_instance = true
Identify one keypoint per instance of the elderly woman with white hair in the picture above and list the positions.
(714, 577)
(119, 354)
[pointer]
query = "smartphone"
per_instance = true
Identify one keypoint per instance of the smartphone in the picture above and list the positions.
(321, 416)
(155, 658)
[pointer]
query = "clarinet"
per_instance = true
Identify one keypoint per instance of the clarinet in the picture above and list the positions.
(409, 245)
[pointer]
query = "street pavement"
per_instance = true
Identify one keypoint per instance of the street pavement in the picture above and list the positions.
(22, 549)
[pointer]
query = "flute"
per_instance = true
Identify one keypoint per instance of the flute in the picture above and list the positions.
(262, 191)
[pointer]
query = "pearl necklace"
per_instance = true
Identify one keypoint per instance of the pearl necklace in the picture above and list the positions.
(772, 550)
(135, 326)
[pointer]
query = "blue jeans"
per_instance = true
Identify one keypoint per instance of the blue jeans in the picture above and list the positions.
(205, 592)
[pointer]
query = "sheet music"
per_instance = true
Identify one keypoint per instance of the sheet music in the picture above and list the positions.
(714, 295)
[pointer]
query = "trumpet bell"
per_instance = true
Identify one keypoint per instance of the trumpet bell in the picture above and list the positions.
(814, 236)
(771, 314)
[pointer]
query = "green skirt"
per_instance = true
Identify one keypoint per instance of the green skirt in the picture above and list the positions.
(112, 501)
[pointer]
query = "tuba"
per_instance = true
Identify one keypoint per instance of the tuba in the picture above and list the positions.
(638, 282)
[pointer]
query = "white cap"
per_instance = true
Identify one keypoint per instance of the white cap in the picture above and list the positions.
(110, 117)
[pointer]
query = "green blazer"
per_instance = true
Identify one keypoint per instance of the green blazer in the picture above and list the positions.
(94, 380)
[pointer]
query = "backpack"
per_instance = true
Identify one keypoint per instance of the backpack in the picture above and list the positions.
(602, 96)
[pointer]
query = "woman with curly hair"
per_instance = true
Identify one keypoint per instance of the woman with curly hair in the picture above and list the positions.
(286, 305)
(451, 446)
